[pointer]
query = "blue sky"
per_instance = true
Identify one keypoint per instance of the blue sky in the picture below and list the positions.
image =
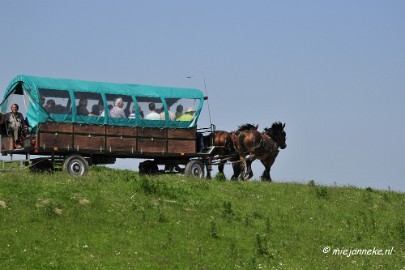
(333, 71)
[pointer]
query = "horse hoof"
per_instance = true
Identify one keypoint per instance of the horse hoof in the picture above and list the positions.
(248, 176)
(266, 179)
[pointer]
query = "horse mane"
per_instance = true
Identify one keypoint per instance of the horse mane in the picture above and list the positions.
(247, 127)
(275, 126)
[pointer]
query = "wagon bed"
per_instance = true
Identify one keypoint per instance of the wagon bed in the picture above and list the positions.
(81, 140)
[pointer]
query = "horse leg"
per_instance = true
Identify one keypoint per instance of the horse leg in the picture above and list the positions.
(242, 168)
(208, 167)
(249, 161)
(221, 166)
(266, 173)
(236, 170)
(249, 172)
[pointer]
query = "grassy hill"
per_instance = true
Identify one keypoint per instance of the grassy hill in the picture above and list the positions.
(114, 219)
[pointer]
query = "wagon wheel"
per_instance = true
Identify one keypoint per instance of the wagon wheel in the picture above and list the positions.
(148, 167)
(75, 165)
(194, 168)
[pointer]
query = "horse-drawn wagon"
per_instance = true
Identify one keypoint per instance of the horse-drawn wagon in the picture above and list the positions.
(73, 124)
(82, 123)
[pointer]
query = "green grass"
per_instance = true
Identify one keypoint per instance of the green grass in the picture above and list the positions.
(114, 219)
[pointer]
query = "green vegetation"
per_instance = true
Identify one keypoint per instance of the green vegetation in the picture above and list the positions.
(114, 219)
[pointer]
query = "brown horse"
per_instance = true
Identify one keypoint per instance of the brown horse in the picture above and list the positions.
(246, 139)
(251, 145)
(226, 150)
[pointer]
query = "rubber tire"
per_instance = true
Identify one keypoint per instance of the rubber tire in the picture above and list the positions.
(195, 168)
(75, 165)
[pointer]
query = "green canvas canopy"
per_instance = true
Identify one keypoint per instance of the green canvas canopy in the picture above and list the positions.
(68, 95)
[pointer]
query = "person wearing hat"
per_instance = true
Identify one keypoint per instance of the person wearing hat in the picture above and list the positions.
(188, 115)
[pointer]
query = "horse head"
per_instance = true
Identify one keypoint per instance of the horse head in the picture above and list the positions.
(277, 133)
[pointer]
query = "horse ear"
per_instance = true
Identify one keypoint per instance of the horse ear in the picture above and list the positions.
(284, 125)
(257, 126)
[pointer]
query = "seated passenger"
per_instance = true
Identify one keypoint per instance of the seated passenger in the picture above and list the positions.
(118, 111)
(153, 115)
(16, 126)
(132, 114)
(95, 111)
(128, 110)
(60, 109)
(179, 111)
(50, 106)
(101, 108)
(188, 115)
(172, 116)
(82, 108)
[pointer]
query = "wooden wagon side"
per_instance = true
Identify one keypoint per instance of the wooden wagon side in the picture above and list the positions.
(77, 146)
(64, 138)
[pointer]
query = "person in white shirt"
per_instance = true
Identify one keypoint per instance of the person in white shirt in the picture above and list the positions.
(153, 115)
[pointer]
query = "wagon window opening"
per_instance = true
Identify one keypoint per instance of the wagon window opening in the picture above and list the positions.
(89, 104)
(21, 99)
(16, 99)
(150, 108)
(55, 101)
(183, 105)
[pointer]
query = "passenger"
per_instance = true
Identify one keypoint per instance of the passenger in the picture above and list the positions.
(118, 111)
(172, 116)
(95, 111)
(82, 108)
(50, 106)
(179, 111)
(101, 108)
(132, 114)
(127, 109)
(16, 126)
(60, 109)
(153, 115)
(141, 115)
(188, 115)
